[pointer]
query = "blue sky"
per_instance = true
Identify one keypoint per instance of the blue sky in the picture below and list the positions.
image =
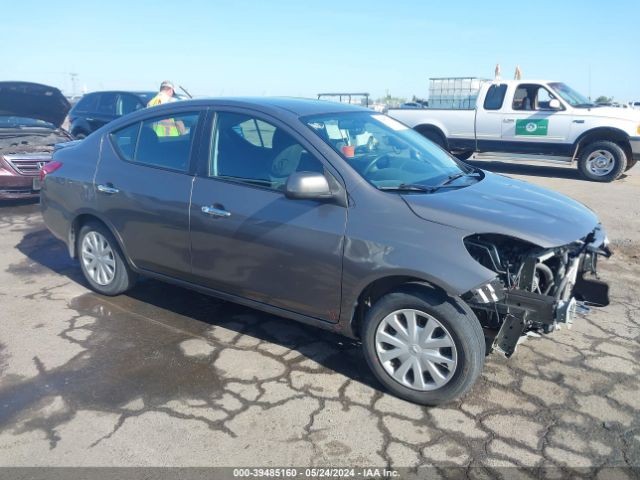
(288, 47)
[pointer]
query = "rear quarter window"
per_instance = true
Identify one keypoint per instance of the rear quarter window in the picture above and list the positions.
(125, 140)
(86, 104)
(495, 97)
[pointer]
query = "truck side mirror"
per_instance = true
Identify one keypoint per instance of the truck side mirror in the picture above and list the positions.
(554, 104)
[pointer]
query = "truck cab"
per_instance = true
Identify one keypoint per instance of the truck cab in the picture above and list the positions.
(533, 119)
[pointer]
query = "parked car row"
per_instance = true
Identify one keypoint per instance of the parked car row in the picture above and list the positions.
(96, 109)
(30, 118)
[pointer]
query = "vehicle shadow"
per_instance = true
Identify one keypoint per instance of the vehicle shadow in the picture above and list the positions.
(197, 315)
(18, 202)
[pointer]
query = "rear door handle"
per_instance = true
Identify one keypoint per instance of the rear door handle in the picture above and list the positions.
(508, 120)
(215, 212)
(107, 189)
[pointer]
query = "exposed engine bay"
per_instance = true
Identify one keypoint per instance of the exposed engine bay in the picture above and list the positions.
(16, 142)
(536, 289)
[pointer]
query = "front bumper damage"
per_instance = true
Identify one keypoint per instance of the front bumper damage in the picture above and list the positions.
(548, 289)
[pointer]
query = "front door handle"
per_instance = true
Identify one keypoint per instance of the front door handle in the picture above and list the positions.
(215, 212)
(508, 120)
(108, 189)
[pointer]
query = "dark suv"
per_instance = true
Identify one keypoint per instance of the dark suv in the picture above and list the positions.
(331, 215)
(99, 108)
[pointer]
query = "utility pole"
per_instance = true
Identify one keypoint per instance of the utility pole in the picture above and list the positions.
(74, 83)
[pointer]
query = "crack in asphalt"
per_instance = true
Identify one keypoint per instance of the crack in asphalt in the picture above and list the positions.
(162, 350)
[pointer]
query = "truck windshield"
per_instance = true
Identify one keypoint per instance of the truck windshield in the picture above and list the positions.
(388, 154)
(569, 95)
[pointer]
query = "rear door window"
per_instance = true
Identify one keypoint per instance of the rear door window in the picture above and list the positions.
(125, 141)
(163, 142)
(86, 103)
(495, 97)
(107, 104)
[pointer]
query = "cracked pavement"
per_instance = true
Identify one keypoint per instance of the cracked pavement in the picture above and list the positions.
(168, 377)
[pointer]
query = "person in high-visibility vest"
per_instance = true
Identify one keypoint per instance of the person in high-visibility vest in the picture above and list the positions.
(167, 127)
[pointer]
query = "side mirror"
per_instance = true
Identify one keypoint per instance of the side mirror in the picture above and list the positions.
(307, 185)
(554, 104)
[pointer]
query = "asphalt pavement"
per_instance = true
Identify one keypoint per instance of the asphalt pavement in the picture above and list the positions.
(164, 376)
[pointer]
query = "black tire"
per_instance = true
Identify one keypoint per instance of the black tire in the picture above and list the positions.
(123, 278)
(434, 136)
(460, 322)
(617, 153)
(463, 155)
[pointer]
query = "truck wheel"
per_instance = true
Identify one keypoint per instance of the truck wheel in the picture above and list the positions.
(434, 136)
(102, 262)
(602, 161)
(423, 345)
(463, 155)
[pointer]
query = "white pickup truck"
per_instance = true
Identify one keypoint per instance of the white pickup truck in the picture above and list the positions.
(541, 120)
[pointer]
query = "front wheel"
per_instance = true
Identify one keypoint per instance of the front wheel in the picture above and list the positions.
(423, 345)
(602, 161)
(102, 261)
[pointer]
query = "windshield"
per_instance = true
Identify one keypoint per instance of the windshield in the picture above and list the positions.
(10, 121)
(570, 96)
(385, 152)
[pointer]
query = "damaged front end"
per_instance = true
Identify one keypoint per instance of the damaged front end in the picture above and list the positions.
(536, 289)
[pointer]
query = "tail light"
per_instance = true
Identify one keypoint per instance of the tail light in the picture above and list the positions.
(49, 168)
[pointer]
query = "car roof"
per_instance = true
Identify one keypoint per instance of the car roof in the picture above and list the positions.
(132, 92)
(274, 105)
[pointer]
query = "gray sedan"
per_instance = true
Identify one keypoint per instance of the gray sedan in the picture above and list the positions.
(332, 215)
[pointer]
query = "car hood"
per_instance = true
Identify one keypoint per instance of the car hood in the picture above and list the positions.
(502, 205)
(610, 112)
(33, 100)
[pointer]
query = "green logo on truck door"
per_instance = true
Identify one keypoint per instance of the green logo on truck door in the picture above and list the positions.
(532, 127)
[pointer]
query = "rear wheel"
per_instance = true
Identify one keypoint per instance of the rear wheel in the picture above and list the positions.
(434, 136)
(463, 155)
(602, 161)
(423, 345)
(102, 262)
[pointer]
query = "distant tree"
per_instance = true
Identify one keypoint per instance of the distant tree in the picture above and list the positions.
(604, 99)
